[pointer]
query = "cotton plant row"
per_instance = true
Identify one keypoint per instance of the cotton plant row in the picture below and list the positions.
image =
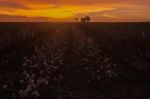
(38, 69)
(95, 64)
(47, 61)
(9, 38)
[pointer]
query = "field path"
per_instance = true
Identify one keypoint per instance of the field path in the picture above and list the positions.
(74, 85)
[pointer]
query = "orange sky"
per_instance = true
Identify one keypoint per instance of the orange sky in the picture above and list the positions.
(67, 10)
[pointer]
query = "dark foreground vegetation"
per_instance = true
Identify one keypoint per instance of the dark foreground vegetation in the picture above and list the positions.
(74, 60)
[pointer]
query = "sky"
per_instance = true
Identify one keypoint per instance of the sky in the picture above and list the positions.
(68, 10)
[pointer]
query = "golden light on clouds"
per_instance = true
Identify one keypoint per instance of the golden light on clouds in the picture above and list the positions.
(56, 12)
(99, 10)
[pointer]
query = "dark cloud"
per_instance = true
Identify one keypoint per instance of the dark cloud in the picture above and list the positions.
(12, 4)
(9, 18)
(21, 5)
(89, 2)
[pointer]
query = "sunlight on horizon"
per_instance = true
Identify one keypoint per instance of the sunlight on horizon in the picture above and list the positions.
(68, 10)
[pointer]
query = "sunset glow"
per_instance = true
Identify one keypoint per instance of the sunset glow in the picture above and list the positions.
(66, 10)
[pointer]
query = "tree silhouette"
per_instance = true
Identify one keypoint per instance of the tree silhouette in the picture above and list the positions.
(83, 19)
(76, 19)
(87, 19)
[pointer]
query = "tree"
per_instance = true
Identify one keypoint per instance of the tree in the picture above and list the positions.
(83, 19)
(76, 19)
(87, 18)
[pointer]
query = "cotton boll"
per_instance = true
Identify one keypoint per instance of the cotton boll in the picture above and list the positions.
(35, 93)
(4, 86)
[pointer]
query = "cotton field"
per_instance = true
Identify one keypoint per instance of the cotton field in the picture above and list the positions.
(73, 61)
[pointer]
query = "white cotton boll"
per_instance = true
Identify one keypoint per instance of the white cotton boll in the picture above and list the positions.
(88, 80)
(49, 71)
(108, 65)
(27, 75)
(29, 88)
(38, 82)
(28, 61)
(57, 58)
(34, 86)
(35, 93)
(86, 68)
(25, 64)
(61, 62)
(93, 75)
(13, 95)
(24, 72)
(109, 73)
(54, 67)
(98, 71)
(85, 59)
(98, 77)
(106, 60)
(23, 93)
(55, 78)
(52, 62)
(33, 75)
(43, 80)
(60, 77)
(46, 65)
(52, 86)
(114, 64)
(4, 86)
(46, 82)
(35, 65)
(32, 81)
(25, 58)
(115, 74)
(44, 62)
(41, 72)
(102, 67)
(21, 81)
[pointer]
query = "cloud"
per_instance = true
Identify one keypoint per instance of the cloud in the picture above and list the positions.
(68, 9)
(9, 18)
(12, 5)
(89, 2)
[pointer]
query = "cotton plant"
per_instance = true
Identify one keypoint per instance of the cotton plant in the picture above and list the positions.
(38, 69)
(95, 64)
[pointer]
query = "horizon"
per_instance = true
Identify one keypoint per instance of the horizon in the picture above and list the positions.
(74, 22)
(67, 11)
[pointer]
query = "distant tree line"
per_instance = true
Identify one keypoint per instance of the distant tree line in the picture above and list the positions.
(83, 19)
